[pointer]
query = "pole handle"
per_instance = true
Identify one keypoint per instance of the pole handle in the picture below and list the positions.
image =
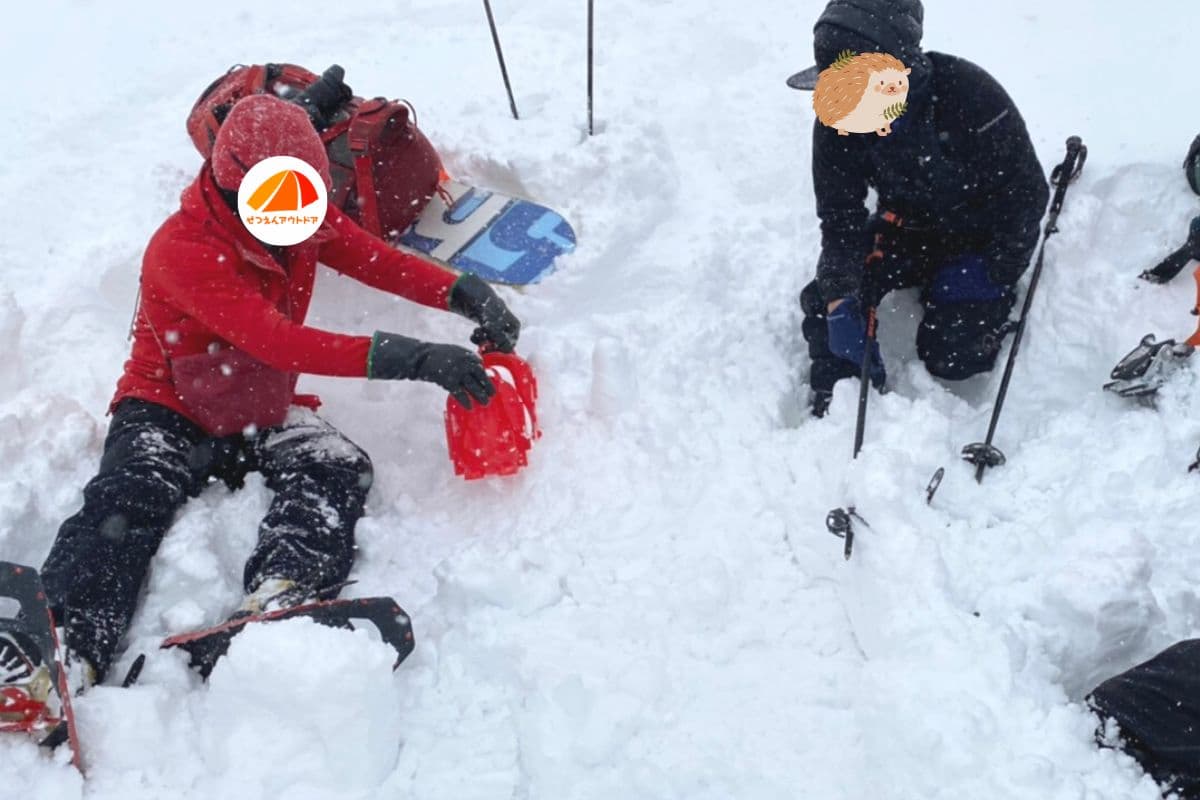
(1065, 174)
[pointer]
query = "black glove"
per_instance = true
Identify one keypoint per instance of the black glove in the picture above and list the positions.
(455, 369)
(472, 298)
(1173, 264)
(1009, 253)
(1193, 240)
(1165, 270)
(1006, 273)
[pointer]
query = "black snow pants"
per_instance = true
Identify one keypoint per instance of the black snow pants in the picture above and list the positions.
(154, 459)
(962, 329)
(1157, 708)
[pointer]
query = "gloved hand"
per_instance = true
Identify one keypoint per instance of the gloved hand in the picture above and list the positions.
(848, 337)
(456, 369)
(1165, 270)
(472, 298)
(1007, 259)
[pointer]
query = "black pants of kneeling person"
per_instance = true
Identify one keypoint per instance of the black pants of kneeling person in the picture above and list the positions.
(154, 460)
(963, 326)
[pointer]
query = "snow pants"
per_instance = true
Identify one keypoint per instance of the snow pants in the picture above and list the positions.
(154, 459)
(963, 326)
(1156, 706)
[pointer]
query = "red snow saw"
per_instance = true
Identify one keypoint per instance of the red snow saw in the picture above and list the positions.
(495, 439)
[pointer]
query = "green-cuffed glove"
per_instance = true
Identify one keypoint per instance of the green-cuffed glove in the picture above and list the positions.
(456, 369)
(474, 299)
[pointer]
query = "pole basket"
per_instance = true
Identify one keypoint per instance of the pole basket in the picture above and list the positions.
(983, 454)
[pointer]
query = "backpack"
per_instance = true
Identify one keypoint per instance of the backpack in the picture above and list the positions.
(384, 170)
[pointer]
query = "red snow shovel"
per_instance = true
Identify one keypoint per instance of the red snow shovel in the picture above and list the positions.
(495, 439)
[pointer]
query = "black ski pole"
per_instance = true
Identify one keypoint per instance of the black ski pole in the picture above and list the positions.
(840, 521)
(984, 454)
(512, 103)
(590, 30)
(860, 425)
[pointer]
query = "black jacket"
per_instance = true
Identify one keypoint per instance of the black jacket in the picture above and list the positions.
(959, 161)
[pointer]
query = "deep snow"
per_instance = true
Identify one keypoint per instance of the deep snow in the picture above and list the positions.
(653, 608)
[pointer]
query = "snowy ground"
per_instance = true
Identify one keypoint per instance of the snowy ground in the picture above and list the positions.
(653, 609)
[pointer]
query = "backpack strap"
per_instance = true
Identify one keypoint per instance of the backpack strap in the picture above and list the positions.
(296, 78)
(215, 102)
(376, 120)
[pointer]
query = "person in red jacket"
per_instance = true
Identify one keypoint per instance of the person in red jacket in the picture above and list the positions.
(208, 391)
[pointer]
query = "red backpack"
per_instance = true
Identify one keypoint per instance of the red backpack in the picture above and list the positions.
(384, 169)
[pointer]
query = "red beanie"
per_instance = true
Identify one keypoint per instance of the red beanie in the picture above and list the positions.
(261, 126)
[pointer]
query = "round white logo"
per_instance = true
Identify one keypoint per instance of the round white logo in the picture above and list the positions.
(282, 200)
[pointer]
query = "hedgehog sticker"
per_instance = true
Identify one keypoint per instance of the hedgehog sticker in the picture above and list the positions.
(863, 93)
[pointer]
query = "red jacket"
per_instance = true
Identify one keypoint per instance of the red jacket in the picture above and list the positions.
(206, 280)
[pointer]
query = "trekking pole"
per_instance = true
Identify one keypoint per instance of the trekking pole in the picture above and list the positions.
(589, 65)
(512, 103)
(860, 424)
(984, 454)
(840, 521)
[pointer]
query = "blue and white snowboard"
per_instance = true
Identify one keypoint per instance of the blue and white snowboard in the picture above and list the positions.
(500, 238)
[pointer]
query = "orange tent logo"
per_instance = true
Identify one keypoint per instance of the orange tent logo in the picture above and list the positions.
(282, 200)
(287, 190)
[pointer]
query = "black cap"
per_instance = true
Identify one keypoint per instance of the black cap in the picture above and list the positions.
(867, 26)
(894, 26)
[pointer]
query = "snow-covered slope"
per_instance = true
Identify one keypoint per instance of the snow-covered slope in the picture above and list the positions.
(652, 609)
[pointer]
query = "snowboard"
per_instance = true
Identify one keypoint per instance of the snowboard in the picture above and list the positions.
(206, 646)
(34, 698)
(500, 238)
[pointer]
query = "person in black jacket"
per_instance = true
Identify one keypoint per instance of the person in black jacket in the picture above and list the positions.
(960, 198)
(1156, 708)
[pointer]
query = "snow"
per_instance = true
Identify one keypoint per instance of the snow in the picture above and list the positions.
(652, 609)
